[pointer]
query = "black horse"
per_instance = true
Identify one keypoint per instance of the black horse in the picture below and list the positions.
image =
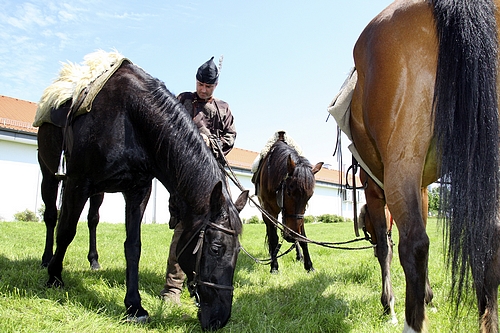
(50, 141)
(137, 130)
(286, 183)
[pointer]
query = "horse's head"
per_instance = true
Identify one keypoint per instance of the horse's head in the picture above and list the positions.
(207, 253)
(296, 190)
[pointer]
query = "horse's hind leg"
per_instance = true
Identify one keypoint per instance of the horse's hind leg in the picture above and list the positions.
(93, 220)
(49, 196)
(413, 250)
(378, 225)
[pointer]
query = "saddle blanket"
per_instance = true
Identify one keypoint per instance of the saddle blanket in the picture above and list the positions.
(288, 140)
(340, 109)
(81, 83)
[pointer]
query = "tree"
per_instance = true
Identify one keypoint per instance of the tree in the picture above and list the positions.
(434, 200)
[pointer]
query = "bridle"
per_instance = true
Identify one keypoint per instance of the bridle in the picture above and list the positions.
(280, 199)
(198, 250)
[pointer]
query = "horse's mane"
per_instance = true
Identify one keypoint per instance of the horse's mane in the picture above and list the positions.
(277, 160)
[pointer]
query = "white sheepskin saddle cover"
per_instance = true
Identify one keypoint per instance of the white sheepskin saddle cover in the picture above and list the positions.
(91, 74)
(288, 140)
(340, 109)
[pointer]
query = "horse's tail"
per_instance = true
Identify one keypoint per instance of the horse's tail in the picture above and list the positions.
(467, 132)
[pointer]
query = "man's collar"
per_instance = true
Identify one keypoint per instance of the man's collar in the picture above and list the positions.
(197, 98)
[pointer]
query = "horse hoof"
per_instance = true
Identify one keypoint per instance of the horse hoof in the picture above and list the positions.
(274, 271)
(95, 266)
(433, 309)
(137, 320)
(394, 320)
(311, 270)
(54, 282)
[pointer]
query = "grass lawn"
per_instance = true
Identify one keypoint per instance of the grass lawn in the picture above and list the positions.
(342, 295)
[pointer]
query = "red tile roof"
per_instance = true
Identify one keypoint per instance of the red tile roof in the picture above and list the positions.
(17, 114)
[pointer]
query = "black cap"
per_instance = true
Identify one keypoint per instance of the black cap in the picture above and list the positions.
(208, 72)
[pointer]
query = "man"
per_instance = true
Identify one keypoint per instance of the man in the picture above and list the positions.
(215, 122)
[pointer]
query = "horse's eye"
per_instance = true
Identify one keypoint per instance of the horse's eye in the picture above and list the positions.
(215, 249)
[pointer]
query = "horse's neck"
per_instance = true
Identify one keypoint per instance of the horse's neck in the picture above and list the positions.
(181, 160)
(184, 166)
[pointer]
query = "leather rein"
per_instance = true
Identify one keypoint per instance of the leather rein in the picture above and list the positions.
(298, 237)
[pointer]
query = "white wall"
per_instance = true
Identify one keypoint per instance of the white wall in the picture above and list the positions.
(327, 199)
(19, 174)
(20, 179)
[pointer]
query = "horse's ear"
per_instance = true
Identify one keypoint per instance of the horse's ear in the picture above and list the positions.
(317, 167)
(290, 164)
(216, 198)
(241, 201)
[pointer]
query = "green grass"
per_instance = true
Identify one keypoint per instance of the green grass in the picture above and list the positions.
(342, 295)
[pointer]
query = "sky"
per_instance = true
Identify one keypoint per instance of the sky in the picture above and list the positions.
(283, 61)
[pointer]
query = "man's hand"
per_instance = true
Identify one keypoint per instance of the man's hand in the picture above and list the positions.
(206, 139)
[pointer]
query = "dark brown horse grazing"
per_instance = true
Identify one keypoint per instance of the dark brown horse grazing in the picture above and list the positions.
(137, 130)
(425, 107)
(286, 183)
(50, 139)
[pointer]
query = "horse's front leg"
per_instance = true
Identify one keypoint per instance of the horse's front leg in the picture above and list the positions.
(380, 225)
(384, 255)
(272, 240)
(73, 203)
(299, 256)
(308, 265)
(429, 295)
(135, 203)
(93, 220)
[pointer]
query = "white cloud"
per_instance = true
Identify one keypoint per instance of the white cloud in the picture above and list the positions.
(69, 13)
(125, 16)
(28, 15)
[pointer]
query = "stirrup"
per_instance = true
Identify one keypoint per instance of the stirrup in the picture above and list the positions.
(61, 169)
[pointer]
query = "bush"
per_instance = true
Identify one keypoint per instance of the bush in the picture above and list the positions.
(330, 218)
(26, 216)
(309, 219)
(40, 212)
(253, 220)
(325, 218)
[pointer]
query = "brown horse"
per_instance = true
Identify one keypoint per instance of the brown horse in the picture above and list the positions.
(286, 183)
(425, 108)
